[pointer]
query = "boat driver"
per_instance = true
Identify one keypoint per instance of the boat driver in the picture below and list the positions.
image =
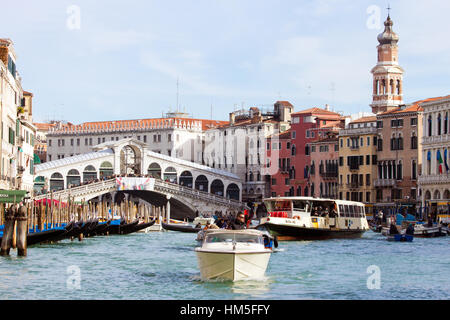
(239, 223)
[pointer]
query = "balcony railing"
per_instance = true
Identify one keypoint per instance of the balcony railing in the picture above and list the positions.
(329, 174)
(357, 131)
(434, 179)
(384, 183)
(436, 139)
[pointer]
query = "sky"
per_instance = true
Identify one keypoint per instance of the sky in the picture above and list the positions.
(111, 60)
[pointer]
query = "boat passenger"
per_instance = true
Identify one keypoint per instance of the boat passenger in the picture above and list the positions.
(239, 223)
(410, 229)
(393, 229)
(198, 225)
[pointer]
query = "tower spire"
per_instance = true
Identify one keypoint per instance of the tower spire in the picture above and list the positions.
(387, 74)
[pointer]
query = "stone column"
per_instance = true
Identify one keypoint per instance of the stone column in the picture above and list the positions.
(168, 209)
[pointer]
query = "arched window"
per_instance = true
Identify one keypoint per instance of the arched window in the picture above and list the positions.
(398, 87)
(89, 173)
(392, 86)
(439, 124)
(430, 126)
(446, 123)
(413, 141)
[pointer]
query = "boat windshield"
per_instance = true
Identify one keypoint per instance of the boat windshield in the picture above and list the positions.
(233, 237)
(278, 205)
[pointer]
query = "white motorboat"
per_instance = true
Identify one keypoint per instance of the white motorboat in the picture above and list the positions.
(233, 254)
(203, 220)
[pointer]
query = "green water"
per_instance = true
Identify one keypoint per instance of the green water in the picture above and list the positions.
(163, 265)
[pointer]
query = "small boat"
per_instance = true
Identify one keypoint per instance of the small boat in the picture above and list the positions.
(101, 228)
(203, 220)
(401, 237)
(135, 227)
(233, 255)
(181, 228)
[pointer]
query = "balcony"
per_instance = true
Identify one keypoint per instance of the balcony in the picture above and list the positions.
(329, 175)
(353, 185)
(357, 131)
(354, 147)
(434, 179)
(384, 183)
(445, 138)
(354, 166)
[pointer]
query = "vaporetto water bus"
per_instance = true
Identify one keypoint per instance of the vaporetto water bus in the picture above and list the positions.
(307, 218)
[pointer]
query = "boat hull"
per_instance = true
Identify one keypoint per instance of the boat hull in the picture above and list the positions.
(287, 232)
(181, 228)
(233, 266)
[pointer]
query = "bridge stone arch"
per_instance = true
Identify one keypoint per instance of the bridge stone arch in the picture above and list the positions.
(56, 181)
(170, 174)
(73, 178)
(186, 179)
(89, 173)
(150, 163)
(217, 187)
(154, 170)
(202, 183)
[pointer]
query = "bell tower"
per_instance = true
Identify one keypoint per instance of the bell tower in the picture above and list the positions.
(387, 74)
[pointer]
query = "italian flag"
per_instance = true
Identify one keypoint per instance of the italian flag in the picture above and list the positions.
(439, 159)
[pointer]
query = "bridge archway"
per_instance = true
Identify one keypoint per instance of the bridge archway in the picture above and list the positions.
(217, 187)
(170, 175)
(154, 170)
(73, 178)
(89, 173)
(106, 169)
(130, 160)
(186, 179)
(201, 183)
(56, 182)
(233, 191)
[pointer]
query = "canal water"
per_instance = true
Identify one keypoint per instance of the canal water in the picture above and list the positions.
(163, 265)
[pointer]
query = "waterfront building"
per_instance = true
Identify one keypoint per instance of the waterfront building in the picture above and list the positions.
(324, 165)
(17, 129)
(175, 135)
(434, 181)
(308, 126)
(399, 158)
(279, 154)
(240, 146)
(358, 161)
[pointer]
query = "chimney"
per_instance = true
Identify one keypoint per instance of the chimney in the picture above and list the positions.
(327, 107)
(232, 118)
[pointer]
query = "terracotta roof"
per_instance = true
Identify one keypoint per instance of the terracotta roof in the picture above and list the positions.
(281, 135)
(43, 126)
(317, 111)
(365, 119)
(27, 93)
(143, 123)
(415, 106)
(284, 103)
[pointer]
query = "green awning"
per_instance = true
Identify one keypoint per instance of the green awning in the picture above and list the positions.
(12, 196)
(36, 159)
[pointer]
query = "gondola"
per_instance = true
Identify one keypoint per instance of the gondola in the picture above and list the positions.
(69, 229)
(137, 227)
(101, 228)
(119, 226)
(184, 228)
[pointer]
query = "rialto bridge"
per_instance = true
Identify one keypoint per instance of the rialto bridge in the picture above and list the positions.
(125, 169)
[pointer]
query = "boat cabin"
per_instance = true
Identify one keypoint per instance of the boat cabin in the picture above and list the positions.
(317, 212)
